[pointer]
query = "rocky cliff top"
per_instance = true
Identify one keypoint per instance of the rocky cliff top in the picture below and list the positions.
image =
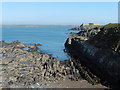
(108, 37)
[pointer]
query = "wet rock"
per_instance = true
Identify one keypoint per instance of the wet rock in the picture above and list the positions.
(65, 50)
(38, 44)
(33, 48)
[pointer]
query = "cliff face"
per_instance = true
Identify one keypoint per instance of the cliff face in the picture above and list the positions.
(109, 37)
(100, 53)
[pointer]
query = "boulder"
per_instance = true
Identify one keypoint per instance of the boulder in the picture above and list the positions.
(20, 45)
(33, 47)
(38, 44)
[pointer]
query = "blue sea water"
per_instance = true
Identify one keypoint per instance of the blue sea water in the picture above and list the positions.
(51, 38)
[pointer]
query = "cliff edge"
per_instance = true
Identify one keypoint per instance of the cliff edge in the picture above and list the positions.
(100, 53)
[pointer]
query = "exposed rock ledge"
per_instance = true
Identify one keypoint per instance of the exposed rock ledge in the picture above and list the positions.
(101, 60)
(23, 68)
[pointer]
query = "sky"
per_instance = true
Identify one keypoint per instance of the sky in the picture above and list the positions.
(59, 13)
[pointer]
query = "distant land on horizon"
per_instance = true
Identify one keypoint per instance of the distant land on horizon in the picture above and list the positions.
(8, 26)
(30, 25)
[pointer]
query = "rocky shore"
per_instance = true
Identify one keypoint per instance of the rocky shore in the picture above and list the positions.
(99, 52)
(21, 68)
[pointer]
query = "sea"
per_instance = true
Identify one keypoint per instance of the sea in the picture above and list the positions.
(52, 38)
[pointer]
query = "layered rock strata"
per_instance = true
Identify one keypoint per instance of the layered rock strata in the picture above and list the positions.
(100, 53)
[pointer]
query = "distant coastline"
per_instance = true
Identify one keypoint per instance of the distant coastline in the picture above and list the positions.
(34, 26)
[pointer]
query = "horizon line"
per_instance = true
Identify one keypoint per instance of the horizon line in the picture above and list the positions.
(51, 24)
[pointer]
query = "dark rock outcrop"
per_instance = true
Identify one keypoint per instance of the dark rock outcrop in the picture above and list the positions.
(100, 53)
(109, 37)
(89, 32)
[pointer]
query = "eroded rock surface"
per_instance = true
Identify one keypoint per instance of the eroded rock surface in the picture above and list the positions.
(101, 52)
(22, 68)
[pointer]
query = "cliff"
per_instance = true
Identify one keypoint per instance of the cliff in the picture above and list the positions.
(99, 53)
(109, 37)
